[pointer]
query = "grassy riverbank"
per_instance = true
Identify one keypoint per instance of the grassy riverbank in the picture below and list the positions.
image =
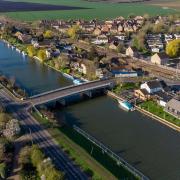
(85, 153)
(157, 110)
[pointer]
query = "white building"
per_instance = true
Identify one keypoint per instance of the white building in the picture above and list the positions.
(152, 86)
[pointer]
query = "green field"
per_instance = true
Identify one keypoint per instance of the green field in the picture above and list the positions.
(158, 110)
(98, 10)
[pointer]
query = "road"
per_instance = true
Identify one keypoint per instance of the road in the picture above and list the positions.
(41, 137)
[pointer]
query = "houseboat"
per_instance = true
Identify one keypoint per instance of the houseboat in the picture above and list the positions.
(125, 105)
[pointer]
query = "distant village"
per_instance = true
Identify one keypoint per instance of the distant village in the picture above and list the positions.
(90, 50)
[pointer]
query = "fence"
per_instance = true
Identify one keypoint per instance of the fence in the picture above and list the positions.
(118, 159)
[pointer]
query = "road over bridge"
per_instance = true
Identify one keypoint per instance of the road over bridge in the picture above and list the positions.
(70, 90)
(76, 89)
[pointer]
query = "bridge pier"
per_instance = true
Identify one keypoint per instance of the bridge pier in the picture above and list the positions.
(88, 93)
(62, 101)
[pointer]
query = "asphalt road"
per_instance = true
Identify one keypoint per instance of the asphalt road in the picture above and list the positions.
(41, 137)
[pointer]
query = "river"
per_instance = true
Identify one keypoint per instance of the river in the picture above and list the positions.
(29, 74)
(147, 144)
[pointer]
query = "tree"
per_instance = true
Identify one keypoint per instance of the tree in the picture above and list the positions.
(48, 34)
(24, 156)
(4, 118)
(36, 156)
(72, 31)
(146, 16)
(2, 151)
(173, 48)
(139, 41)
(31, 51)
(92, 53)
(160, 28)
(42, 55)
(2, 170)
(120, 48)
(54, 174)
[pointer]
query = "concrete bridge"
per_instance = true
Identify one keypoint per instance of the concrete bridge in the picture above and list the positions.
(70, 90)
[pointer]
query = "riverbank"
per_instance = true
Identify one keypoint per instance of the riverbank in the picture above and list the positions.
(147, 113)
(70, 76)
(77, 154)
(82, 150)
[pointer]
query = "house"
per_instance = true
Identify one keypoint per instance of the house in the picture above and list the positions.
(163, 98)
(24, 38)
(113, 45)
(155, 50)
(121, 37)
(152, 86)
(114, 29)
(97, 32)
(120, 28)
(101, 39)
(105, 29)
(168, 38)
(159, 58)
(142, 94)
(132, 52)
(52, 53)
(173, 107)
(177, 36)
(87, 68)
(63, 28)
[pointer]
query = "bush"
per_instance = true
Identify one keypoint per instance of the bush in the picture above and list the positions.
(2, 170)
(24, 156)
(36, 156)
(173, 48)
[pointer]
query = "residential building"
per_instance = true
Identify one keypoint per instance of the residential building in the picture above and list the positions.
(152, 86)
(163, 98)
(132, 52)
(142, 94)
(173, 107)
(159, 58)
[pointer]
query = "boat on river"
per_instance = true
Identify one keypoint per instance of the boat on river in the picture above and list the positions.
(125, 105)
(77, 81)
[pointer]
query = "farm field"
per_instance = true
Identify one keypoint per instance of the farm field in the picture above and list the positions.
(100, 10)
(175, 4)
(9, 6)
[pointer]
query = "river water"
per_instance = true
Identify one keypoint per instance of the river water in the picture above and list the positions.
(29, 74)
(147, 144)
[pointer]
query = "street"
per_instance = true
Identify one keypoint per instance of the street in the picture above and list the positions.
(41, 137)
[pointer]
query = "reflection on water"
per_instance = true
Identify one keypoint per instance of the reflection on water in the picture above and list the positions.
(145, 143)
(29, 74)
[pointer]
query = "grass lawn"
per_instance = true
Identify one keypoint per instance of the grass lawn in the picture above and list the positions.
(100, 10)
(125, 86)
(80, 149)
(154, 108)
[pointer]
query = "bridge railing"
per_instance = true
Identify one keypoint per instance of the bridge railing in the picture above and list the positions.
(59, 89)
(117, 158)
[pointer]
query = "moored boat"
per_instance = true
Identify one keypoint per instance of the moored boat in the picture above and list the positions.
(77, 81)
(126, 105)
